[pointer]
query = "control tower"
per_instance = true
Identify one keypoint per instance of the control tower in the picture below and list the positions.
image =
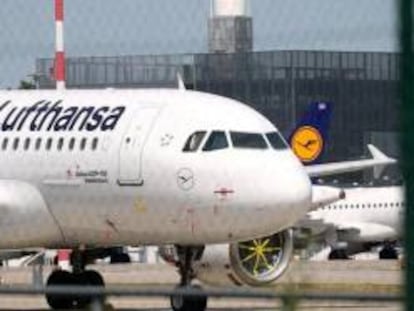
(230, 28)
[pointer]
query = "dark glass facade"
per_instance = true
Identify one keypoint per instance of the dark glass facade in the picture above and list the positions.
(362, 86)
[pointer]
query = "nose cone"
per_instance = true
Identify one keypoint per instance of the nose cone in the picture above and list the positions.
(275, 192)
(292, 188)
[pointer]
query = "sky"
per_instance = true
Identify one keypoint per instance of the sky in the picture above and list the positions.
(132, 27)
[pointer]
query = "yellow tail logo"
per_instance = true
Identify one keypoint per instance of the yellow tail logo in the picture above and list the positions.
(307, 143)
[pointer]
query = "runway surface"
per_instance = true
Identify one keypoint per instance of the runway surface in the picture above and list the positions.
(370, 277)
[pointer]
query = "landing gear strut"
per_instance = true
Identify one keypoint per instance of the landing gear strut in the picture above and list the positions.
(79, 276)
(186, 256)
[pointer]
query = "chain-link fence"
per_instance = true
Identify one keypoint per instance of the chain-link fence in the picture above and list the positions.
(277, 58)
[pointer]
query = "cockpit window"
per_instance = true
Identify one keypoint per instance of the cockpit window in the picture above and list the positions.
(217, 140)
(276, 141)
(248, 140)
(194, 141)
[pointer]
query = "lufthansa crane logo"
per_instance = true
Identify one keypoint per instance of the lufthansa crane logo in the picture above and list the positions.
(185, 179)
(307, 143)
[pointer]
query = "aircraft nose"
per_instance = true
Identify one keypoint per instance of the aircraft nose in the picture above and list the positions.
(280, 195)
(291, 190)
(296, 189)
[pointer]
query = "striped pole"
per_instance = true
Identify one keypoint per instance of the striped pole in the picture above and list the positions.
(59, 68)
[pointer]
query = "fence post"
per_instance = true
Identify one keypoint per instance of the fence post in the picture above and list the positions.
(407, 139)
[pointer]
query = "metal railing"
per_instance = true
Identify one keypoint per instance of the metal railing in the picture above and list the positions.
(288, 300)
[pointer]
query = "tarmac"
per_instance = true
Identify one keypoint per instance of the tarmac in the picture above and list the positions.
(330, 277)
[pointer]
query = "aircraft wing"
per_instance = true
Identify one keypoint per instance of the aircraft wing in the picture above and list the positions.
(378, 162)
(352, 231)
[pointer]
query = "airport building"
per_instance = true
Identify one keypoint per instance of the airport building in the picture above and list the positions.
(363, 86)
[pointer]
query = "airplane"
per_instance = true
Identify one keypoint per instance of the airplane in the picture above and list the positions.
(366, 216)
(89, 170)
(260, 261)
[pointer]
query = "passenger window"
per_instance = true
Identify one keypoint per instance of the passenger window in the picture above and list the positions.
(16, 143)
(38, 143)
(83, 144)
(60, 144)
(276, 141)
(248, 140)
(4, 144)
(217, 140)
(94, 143)
(26, 143)
(49, 143)
(193, 142)
(72, 143)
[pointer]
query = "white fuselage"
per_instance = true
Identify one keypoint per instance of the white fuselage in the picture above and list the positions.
(116, 173)
(371, 214)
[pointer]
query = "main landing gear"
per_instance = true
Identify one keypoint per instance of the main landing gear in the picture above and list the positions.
(187, 255)
(79, 277)
(338, 254)
(388, 251)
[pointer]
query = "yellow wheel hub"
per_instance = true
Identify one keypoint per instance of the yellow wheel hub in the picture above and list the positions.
(258, 255)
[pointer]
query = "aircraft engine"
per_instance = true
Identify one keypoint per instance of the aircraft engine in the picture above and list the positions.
(256, 262)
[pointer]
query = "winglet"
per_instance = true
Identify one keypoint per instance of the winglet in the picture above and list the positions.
(181, 85)
(380, 156)
(379, 160)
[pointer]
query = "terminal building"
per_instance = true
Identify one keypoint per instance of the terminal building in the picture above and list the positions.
(363, 86)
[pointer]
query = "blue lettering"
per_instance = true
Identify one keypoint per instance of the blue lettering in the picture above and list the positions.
(110, 122)
(53, 116)
(96, 119)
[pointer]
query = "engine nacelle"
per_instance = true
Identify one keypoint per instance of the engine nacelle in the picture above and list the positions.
(256, 262)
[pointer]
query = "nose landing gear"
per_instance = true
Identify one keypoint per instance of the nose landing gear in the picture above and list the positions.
(186, 256)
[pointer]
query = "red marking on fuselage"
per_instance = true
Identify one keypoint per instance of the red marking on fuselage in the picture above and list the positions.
(223, 192)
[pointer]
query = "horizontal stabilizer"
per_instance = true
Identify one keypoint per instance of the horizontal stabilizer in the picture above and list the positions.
(324, 195)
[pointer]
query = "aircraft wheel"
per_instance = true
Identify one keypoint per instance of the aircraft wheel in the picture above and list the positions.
(120, 258)
(388, 252)
(61, 278)
(93, 278)
(189, 303)
(88, 278)
(338, 254)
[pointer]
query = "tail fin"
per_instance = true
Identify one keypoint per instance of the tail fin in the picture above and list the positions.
(308, 140)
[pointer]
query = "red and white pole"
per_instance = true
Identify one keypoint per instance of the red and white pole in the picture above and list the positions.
(59, 68)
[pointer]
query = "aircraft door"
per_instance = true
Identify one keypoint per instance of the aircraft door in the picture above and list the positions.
(133, 142)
